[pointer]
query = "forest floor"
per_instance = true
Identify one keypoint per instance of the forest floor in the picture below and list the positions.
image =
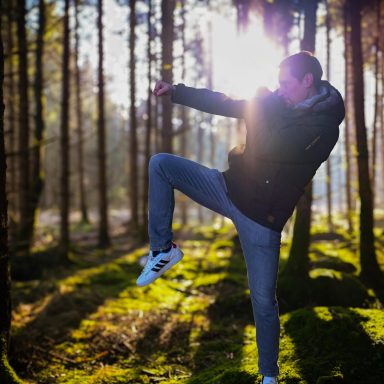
(89, 323)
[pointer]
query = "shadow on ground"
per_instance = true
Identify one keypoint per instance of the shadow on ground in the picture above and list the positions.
(74, 299)
(219, 355)
(332, 345)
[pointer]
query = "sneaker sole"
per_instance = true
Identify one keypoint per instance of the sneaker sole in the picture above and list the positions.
(174, 261)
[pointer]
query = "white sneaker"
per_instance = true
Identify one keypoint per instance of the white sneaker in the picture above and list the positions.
(269, 380)
(159, 264)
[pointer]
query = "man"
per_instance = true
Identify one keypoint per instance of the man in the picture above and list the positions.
(290, 132)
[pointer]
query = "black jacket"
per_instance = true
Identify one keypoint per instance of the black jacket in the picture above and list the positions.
(284, 147)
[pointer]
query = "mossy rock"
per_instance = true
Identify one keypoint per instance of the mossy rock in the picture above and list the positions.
(7, 374)
(338, 288)
(293, 293)
(322, 288)
(333, 345)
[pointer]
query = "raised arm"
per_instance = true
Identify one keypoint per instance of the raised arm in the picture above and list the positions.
(202, 99)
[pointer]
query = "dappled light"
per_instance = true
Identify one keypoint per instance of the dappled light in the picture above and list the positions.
(191, 192)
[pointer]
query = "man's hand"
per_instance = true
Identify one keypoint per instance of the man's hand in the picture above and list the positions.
(263, 92)
(162, 88)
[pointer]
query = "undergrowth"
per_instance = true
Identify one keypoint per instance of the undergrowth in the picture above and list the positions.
(90, 323)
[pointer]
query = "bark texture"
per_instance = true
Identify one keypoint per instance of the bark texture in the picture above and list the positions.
(64, 141)
(298, 261)
(370, 270)
(104, 240)
(23, 237)
(133, 184)
(7, 374)
(167, 37)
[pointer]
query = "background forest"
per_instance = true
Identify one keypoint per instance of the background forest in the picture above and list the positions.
(78, 126)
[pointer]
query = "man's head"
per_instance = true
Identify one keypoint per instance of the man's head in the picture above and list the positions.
(299, 77)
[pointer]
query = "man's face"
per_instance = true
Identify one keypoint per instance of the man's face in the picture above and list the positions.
(292, 90)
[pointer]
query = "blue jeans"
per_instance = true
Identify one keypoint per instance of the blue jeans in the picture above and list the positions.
(260, 245)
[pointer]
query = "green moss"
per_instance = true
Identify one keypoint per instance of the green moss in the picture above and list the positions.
(195, 324)
(336, 288)
(332, 342)
(223, 375)
(7, 374)
(337, 254)
(322, 287)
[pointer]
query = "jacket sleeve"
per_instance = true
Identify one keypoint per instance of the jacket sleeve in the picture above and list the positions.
(208, 101)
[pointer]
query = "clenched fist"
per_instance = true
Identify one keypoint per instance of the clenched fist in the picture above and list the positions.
(162, 88)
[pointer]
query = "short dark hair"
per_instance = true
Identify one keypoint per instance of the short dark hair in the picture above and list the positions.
(302, 63)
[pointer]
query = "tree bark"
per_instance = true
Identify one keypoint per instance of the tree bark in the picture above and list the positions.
(104, 240)
(347, 121)
(7, 374)
(11, 114)
(370, 271)
(23, 236)
(184, 115)
(309, 39)
(382, 126)
(64, 141)
(377, 96)
(37, 183)
(167, 37)
(298, 261)
(147, 126)
(200, 153)
(79, 122)
(133, 121)
(329, 161)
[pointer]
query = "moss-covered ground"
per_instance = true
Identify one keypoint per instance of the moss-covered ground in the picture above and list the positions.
(89, 323)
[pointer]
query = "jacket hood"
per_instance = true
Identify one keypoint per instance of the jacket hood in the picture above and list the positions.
(328, 101)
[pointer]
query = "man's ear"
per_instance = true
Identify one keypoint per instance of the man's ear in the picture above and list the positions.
(308, 80)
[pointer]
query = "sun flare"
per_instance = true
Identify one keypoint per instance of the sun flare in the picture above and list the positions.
(243, 62)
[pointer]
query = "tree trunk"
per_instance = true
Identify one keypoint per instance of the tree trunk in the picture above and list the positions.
(103, 202)
(329, 162)
(200, 153)
(376, 111)
(23, 237)
(309, 39)
(382, 127)
(298, 261)
(147, 126)
(158, 133)
(11, 114)
(184, 115)
(212, 136)
(133, 121)
(37, 183)
(64, 141)
(7, 375)
(167, 37)
(242, 12)
(347, 121)
(370, 271)
(79, 114)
